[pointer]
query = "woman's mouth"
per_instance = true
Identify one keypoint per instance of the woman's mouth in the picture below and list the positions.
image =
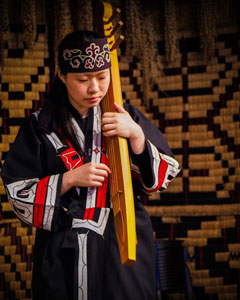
(93, 99)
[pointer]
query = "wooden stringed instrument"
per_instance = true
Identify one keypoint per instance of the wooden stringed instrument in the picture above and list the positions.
(118, 155)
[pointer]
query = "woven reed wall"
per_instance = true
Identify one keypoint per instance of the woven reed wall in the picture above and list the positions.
(24, 82)
(196, 105)
(198, 108)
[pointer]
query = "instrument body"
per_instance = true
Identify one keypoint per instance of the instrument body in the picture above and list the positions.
(118, 156)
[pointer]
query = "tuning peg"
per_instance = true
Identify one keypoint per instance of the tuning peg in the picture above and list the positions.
(117, 43)
(116, 12)
(116, 28)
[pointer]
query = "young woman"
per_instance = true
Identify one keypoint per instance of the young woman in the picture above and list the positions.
(57, 178)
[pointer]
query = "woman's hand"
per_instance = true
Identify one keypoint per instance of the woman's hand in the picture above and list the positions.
(88, 175)
(121, 124)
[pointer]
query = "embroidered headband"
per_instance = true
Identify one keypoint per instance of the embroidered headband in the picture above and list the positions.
(84, 56)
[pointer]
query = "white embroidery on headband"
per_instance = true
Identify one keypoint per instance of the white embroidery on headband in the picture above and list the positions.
(92, 59)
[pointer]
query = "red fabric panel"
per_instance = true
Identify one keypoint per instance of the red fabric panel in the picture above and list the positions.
(40, 199)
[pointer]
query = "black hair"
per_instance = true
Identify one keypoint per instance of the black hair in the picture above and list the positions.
(58, 93)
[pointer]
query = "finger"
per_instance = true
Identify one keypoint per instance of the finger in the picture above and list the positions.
(99, 178)
(100, 172)
(96, 184)
(109, 120)
(110, 133)
(108, 115)
(103, 166)
(119, 108)
(107, 127)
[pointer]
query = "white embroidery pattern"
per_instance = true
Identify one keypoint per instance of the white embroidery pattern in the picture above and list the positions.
(94, 58)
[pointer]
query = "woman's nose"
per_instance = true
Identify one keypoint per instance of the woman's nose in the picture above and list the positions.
(93, 87)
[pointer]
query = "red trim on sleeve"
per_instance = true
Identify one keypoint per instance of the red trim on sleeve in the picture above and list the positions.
(161, 176)
(39, 203)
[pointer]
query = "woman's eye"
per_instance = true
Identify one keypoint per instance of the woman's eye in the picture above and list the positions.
(82, 80)
(102, 78)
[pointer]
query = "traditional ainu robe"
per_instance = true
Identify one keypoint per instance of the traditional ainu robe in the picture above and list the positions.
(76, 254)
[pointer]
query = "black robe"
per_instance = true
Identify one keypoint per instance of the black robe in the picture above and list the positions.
(76, 253)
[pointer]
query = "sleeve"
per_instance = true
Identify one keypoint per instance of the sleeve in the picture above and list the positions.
(155, 168)
(35, 198)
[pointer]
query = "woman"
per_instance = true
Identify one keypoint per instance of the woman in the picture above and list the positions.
(57, 179)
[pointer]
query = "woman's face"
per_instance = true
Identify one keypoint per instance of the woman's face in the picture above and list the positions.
(86, 90)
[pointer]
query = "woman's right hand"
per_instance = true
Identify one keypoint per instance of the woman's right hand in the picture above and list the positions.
(88, 175)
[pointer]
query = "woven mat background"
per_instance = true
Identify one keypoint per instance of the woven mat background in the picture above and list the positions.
(197, 107)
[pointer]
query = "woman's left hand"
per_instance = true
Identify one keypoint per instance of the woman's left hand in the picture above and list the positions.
(121, 124)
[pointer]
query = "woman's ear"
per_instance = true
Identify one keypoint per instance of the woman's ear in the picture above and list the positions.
(61, 76)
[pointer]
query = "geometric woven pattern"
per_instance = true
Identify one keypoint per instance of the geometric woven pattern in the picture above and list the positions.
(16, 248)
(24, 82)
(200, 119)
(196, 105)
(198, 108)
